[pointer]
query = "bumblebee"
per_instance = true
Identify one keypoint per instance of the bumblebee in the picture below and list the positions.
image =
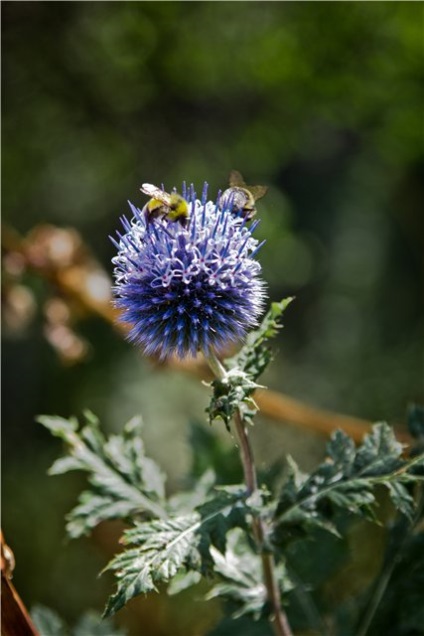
(241, 197)
(163, 205)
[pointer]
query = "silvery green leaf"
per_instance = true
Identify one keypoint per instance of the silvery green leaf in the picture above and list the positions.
(123, 482)
(240, 576)
(163, 548)
(346, 480)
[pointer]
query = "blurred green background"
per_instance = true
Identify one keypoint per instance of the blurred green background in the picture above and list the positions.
(322, 102)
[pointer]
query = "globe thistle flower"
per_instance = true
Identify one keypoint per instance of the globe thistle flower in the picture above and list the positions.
(188, 286)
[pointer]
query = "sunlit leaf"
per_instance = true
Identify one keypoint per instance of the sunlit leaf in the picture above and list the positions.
(240, 575)
(123, 482)
(160, 549)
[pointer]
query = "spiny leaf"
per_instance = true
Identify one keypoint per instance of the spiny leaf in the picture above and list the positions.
(346, 480)
(379, 453)
(230, 394)
(234, 392)
(241, 576)
(124, 482)
(164, 547)
(401, 498)
(255, 355)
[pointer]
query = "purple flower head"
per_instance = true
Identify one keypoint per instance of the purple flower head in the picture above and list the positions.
(185, 287)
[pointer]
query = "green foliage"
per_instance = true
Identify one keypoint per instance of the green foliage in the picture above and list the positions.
(117, 83)
(124, 482)
(346, 480)
(233, 392)
(49, 623)
(205, 531)
(165, 547)
(240, 571)
(254, 357)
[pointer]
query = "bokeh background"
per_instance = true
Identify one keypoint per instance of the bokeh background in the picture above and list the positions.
(320, 101)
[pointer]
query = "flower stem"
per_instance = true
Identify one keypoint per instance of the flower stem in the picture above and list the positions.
(279, 619)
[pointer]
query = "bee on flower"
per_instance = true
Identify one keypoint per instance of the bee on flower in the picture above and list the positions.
(241, 197)
(186, 274)
(172, 206)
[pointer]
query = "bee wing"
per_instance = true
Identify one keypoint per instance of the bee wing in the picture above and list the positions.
(257, 191)
(236, 179)
(156, 193)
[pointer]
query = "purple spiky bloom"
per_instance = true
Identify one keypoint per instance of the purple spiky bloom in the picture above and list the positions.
(188, 288)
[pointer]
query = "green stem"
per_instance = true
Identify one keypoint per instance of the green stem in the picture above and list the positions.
(279, 619)
(387, 572)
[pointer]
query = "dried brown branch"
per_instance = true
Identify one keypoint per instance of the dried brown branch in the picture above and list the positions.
(59, 255)
(15, 620)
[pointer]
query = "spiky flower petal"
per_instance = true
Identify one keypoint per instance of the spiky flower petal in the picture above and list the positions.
(188, 287)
